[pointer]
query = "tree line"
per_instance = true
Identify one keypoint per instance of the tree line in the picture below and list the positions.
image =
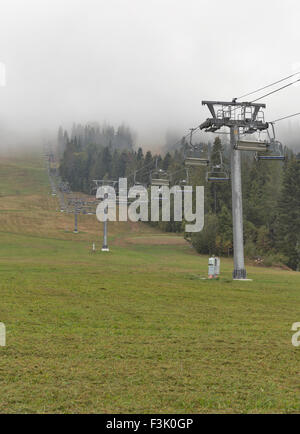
(271, 189)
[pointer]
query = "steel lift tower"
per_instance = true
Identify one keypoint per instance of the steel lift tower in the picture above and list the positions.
(77, 206)
(240, 118)
(104, 183)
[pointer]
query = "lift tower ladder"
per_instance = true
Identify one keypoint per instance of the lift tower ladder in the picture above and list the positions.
(238, 117)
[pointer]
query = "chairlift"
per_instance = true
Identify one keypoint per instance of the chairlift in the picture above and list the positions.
(252, 145)
(184, 183)
(139, 188)
(275, 149)
(136, 186)
(137, 183)
(195, 155)
(185, 187)
(218, 172)
(181, 183)
(159, 178)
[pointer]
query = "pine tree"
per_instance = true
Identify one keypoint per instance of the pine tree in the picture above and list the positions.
(167, 161)
(288, 220)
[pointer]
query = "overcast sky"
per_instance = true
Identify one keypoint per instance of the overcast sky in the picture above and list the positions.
(147, 63)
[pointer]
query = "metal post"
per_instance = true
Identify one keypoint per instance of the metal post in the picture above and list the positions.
(76, 222)
(105, 246)
(215, 197)
(239, 271)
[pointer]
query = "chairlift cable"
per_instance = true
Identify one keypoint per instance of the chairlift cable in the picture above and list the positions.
(269, 85)
(270, 93)
(286, 117)
(276, 90)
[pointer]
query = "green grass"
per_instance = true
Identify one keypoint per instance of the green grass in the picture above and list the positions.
(137, 329)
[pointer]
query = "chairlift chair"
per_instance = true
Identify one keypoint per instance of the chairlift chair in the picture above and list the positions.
(252, 145)
(195, 156)
(218, 172)
(184, 183)
(139, 187)
(159, 178)
(183, 186)
(270, 157)
(138, 183)
(275, 149)
(217, 176)
(186, 188)
(136, 186)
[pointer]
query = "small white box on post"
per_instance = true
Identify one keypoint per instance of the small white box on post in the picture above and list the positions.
(213, 267)
(2, 335)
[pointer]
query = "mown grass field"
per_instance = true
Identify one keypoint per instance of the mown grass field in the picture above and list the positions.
(136, 329)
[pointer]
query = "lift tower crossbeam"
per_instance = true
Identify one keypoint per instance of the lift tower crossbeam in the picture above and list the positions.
(239, 117)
